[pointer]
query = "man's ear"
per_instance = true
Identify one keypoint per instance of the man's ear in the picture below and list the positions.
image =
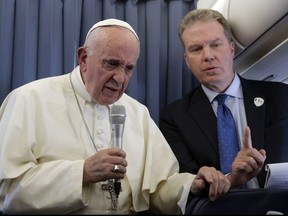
(232, 48)
(82, 57)
(186, 60)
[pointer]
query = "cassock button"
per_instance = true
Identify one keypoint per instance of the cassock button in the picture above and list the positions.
(100, 131)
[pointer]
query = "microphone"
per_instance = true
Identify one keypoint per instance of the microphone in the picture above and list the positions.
(118, 117)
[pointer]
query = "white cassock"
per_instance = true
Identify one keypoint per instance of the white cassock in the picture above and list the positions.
(44, 142)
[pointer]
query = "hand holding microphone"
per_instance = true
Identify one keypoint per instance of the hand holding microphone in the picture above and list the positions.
(117, 117)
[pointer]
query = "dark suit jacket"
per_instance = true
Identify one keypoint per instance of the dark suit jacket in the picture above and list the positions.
(189, 125)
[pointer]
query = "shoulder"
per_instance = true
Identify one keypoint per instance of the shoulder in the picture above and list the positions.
(262, 83)
(270, 87)
(185, 101)
(43, 83)
(41, 88)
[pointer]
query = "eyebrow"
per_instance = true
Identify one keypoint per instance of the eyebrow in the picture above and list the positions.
(209, 42)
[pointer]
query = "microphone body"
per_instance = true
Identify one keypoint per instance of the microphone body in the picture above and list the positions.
(118, 117)
(117, 133)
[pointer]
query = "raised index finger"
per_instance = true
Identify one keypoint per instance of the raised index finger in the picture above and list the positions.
(247, 142)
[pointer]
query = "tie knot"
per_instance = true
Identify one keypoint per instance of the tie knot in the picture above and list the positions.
(221, 98)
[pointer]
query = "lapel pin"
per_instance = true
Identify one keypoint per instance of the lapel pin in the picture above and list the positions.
(258, 101)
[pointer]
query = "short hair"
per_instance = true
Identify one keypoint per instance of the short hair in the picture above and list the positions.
(204, 15)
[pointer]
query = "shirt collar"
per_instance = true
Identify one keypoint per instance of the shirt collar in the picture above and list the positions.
(79, 86)
(233, 90)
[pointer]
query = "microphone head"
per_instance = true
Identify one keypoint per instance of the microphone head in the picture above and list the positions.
(118, 114)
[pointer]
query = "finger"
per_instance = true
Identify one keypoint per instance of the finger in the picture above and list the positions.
(202, 180)
(199, 187)
(214, 185)
(213, 191)
(247, 142)
(223, 186)
(219, 187)
(117, 152)
(116, 169)
(205, 173)
(118, 172)
(226, 187)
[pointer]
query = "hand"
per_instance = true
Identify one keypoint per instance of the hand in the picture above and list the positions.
(248, 162)
(100, 166)
(211, 180)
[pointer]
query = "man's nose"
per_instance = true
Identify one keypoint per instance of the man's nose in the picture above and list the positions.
(208, 55)
(119, 74)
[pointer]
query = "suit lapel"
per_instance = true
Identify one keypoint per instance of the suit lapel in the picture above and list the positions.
(203, 114)
(255, 114)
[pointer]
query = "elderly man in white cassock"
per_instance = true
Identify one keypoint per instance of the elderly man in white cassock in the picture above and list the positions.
(58, 136)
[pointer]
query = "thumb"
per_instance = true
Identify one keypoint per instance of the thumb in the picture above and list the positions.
(263, 153)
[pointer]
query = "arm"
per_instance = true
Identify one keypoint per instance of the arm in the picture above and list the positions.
(33, 175)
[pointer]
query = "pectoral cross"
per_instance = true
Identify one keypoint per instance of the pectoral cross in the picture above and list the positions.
(110, 187)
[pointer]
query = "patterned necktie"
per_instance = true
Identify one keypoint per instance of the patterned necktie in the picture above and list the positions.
(227, 135)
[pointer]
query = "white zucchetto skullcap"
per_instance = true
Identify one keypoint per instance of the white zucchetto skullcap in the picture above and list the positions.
(112, 22)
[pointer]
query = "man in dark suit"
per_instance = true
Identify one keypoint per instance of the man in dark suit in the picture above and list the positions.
(190, 123)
